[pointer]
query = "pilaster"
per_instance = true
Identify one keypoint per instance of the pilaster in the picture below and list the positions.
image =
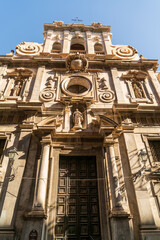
(155, 82)
(89, 43)
(107, 42)
(37, 84)
(117, 86)
(47, 45)
(66, 42)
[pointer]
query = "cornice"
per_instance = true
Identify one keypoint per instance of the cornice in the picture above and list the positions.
(76, 27)
(51, 62)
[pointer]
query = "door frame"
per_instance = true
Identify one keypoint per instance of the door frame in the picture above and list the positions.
(51, 201)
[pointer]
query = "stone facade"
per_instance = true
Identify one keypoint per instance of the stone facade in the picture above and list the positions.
(77, 104)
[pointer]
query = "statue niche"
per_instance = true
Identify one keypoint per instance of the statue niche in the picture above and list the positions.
(17, 84)
(77, 119)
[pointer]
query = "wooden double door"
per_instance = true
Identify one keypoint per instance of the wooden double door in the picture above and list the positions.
(77, 213)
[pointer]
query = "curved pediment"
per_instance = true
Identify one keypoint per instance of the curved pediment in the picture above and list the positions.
(105, 121)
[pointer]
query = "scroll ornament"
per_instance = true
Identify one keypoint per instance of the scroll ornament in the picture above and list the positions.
(106, 94)
(28, 49)
(48, 93)
(124, 51)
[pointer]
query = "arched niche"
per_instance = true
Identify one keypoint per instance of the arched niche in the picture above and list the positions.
(57, 47)
(98, 48)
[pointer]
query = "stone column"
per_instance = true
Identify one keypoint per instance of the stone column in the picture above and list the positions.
(42, 177)
(119, 221)
(117, 86)
(113, 176)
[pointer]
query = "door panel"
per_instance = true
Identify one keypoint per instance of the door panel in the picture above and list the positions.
(77, 215)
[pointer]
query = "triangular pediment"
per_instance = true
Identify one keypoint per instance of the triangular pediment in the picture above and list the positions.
(50, 122)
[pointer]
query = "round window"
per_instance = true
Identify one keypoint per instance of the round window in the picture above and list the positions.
(74, 86)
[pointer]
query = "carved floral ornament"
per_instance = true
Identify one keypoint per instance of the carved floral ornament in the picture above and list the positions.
(76, 63)
(28, 49)
(123, 51)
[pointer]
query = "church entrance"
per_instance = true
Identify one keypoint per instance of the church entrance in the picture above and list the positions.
(77, 213)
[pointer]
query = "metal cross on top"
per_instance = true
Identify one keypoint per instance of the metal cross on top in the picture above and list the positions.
(77, 20)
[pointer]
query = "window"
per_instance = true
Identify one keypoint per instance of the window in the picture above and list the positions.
(98, 48)
(155, 149)
(57, 47)
(2, 143)
(77, 45)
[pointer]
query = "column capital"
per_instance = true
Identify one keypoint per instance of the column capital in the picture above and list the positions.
(108, 140)
(46, 139)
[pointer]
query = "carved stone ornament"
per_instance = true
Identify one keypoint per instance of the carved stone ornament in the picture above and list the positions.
(96, 24)
(107, 96)
(136, 75)
(33, 235)
(28, 49)
(48, 93)
(76, 63)
(123, 51)
(76, 86)
(58, 23)
(77, 119)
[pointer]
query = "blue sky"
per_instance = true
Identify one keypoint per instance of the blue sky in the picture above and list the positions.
(133, 22)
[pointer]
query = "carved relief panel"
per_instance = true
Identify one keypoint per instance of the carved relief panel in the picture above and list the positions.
(106, 95)
(139, 90)
(77, 87)
(18, 84)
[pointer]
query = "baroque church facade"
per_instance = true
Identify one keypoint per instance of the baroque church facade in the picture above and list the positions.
(79, 138)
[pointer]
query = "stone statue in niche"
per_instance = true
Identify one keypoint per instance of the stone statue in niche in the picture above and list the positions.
(15, 91)
(138, 91)
(77, 119)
